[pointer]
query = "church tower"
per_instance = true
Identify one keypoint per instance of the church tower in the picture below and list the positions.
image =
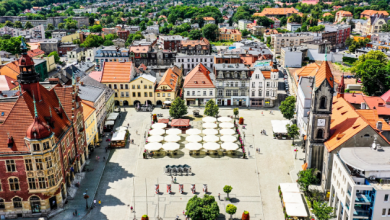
(318, 130)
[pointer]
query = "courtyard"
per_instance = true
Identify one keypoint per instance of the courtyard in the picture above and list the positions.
(129, 180)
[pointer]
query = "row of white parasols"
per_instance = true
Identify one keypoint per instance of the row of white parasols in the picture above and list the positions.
(191, 146)
(192, 138)
(193, 131)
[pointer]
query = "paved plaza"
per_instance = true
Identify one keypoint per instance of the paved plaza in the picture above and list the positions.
(129, 180)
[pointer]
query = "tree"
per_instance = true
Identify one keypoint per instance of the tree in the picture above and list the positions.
(12, 45)
(245, 33)
(231, 210)
(18, 24)
(9, 24)
(61, 26)
(210, 31)
(178, 108)
(292, 131)
(56, 57)
(264, 21)
(92, 41)
(235, 112)
(348, 41)
(205, 208)
(211, 109)
(111, 37)
(306, 178)
(288, 107)
(195, 34)
(372, 69)
(28, 25)
(91, 21)
(70, 23)
(95, 28)
(227, 189)
(108, 43)
(322, 210)
(50, 27)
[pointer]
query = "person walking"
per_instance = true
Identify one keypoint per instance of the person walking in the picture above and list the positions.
(100, 202)
(106, 149)
(94, 203)
(131, 208)
(175, 179)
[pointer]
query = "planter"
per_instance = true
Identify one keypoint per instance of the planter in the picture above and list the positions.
(245, 215)
(145, 217)
(241, 121)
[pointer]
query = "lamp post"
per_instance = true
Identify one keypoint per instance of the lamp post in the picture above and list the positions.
(296, 152)
(86, 198)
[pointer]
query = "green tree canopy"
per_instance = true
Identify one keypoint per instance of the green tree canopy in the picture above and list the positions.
(12, 45)
(205, 208)
(95, 28)
(56, 56)
(50, 27)
(211, 109)
(227, 189)
(61, 26)
(306, 178)
(92, 41)
(28, 25)
(18, 24)
(288, 107)
(231, 209)
(178, 108)
(264, 21)
(292, 131)
(322, 210)
(195, 34)
(9, 24)
(210, 32)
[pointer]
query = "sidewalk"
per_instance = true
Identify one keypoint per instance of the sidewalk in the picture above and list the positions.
(90, 184)
(298, 161)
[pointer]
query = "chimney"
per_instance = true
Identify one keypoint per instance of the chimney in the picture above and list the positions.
(379, 125)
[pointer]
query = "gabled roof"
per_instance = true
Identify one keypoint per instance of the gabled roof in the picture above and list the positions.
(87, 110)
(36, 52)
(11, 70)
(324, 73)
(373, 12)
(208, 19)
(198, 78)
(306, 71)
(116, 72)
(169, 79)
(7, 83)
(377, 103)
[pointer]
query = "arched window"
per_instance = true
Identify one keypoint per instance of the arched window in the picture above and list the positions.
(2, 205)
(323, 102)
(14, 184)
(17, 202)
(320, 134)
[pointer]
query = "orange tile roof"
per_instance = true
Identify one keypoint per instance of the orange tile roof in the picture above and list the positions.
(306, 71)
(198, 78)
(180, 122)
(34, 46)
(87, 110)
(169, 79)
(116, 72)
(377, 103)
(11, 70)
(270, 31)
(203, 42)
(277, 11)
(96, 75)
(36, 52)
(324, 73)
(274, 18)
(344, 13)
(266, 74)
(5, 108)
(354, 98)
(327, 14)
(373, 12)
(208, 19)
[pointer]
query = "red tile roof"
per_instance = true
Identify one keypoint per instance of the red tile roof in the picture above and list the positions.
(377, 103)
(180, 123)
(7, 83)
(36, 52)
(169, 79)
(11, 70)
(116, 72)
(198, 78)
(324, 73)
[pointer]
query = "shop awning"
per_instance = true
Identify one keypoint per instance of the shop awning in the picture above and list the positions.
(165, 121)
(289, 187)
(112, 116)
(119, 136)
(279, 126)
(180, 123)
(109, 123)
(293, 200)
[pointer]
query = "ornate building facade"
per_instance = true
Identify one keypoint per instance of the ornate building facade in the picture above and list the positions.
(43, 145)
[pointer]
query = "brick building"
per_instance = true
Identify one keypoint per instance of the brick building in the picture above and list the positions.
(123, 34)
(42, 145)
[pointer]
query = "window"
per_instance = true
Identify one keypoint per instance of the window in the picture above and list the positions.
(31, 183)
(49, 163)
(115, 86)
(235, 92)
(127, 94)
(42, 182)
(260, 84)
(14, 184)
(163, 95)
(121, 86)
(17, 202)
(383, 212)
(122, 94)
(36, 147)
(109, 86)
(243, 93)
(46, 145)
(11, 167)
(28, 163)
(134, 94)
(388, 212)
(146, 94)
(205, 93)
(211, 93)
(158, 94)
(138, 87)
(260, 92)
(386, 197)
(116, 95)
(188, 92)
(236, 84)
(228, 92)
(193, 92)
(133, 86)
(39, 164)
(323, 102)
(268, 84)
(253, 93)
(139, 94)
(126, 86)
(51, 181)
(320, 135)
(253, 84)
(220, 92)
(2, 205)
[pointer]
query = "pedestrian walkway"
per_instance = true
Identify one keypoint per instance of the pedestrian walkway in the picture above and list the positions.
(89, 185)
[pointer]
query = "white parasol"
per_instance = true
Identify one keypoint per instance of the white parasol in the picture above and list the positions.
(227, 132)
(172, 138)
(193, 131)
(157, 132)
(210, 131)
(224, 119)
(155, 138)
(226, 125)
(211, 146)
(211, 138)
(159, 125)
(209, 125)
(209, 119)
(194, 138)
(153, 146)
(121, 128)
(228, 138)
(229, 146)
(171, 146)
(174, 131)
(193, 146)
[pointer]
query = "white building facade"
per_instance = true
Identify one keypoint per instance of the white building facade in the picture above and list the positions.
(190, 61)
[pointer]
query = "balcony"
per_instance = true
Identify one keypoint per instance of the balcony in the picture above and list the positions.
(361, 213)
(362, 199)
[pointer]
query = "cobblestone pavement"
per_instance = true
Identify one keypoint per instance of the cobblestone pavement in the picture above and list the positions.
(129, 180)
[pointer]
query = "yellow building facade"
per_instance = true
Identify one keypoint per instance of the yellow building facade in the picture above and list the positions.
(70, 38)
(229, 34)
(142, 90)
(90, 122)
(169, 86)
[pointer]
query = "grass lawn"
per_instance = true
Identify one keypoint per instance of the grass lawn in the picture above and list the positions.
(343, 68)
